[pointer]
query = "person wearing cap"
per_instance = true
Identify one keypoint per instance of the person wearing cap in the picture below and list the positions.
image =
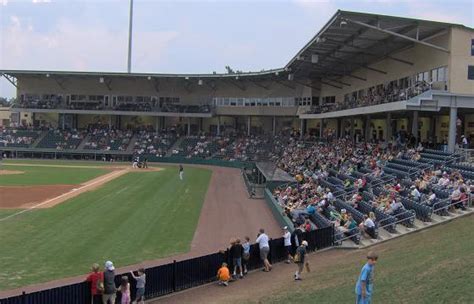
(287, 244)
(300, 259)
(109, 284)
(365, 283)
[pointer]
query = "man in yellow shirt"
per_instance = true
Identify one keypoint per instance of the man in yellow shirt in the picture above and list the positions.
(223, 275)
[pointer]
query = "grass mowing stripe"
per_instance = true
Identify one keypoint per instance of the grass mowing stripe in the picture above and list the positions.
(35, 176)
(153, 217)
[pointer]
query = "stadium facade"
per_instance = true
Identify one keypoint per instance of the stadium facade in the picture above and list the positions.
(362, 75)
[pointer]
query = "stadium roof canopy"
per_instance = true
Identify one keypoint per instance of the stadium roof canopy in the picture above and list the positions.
(350, 40)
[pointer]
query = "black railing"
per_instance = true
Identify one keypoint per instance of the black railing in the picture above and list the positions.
(176, 276)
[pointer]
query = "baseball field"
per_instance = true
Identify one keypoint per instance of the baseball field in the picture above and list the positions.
(57, 218)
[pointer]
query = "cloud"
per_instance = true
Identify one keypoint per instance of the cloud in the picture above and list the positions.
(69, 46)
(41, 1)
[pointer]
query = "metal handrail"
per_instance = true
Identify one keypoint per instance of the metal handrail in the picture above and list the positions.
(402, 220)
(452, 203)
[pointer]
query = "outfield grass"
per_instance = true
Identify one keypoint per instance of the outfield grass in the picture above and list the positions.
(138, 216)
(432, 266)
(34, 176)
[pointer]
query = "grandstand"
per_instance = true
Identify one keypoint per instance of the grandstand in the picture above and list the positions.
(370, 111)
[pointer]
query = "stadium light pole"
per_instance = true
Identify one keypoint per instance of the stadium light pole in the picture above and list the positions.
(129, 61)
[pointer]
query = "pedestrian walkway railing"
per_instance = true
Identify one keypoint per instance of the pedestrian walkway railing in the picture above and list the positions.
(175, 276)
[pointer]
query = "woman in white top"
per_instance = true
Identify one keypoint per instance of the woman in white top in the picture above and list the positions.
(264, 247)
(287, 244)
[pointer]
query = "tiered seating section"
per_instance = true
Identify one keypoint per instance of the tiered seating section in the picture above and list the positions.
(108, 140)
(392, 187)
(18, 138)
(156, 144)
(62, 139)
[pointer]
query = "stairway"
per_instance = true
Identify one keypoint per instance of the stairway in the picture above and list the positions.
(131, 144)
(83, 142)
(39, 139)
(175, 146)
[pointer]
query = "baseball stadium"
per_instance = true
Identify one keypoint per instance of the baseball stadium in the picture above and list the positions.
(361, 142)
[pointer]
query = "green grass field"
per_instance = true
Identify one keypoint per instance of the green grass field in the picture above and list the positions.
(136, 217)
(432, 266)
(33, 176)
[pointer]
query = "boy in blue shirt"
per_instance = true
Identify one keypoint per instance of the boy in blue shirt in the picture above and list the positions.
(365, 282)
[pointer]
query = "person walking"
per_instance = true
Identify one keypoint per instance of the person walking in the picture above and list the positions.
(264, 246)
(299, 259)
(96, 279)
(365, 283)
(109, 294)
(181, 172)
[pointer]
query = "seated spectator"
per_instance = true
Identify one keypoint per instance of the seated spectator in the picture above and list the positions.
(368, 226)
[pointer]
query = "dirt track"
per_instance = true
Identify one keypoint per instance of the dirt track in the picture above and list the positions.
(227, 212)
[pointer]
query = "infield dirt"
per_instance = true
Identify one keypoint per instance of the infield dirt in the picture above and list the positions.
(46, 196)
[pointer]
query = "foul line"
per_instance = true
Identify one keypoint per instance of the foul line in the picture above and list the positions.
(120, 172)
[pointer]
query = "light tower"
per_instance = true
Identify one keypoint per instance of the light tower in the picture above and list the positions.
(129, 61)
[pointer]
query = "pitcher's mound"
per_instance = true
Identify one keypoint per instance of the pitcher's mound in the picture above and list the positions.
(9, 172)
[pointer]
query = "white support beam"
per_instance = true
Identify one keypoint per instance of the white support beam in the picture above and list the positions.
(11, 79)
(439, 48)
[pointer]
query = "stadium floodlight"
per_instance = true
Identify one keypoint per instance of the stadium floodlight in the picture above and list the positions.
(149, 77)
(187, 77)
(200, 82)
(47, 75)
(291, 77)
(299, 57)
(277, 73)
(314, 58)
(101, 79)
(236, 77)
(343, 23)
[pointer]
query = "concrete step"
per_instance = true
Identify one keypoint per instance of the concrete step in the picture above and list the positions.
(175, 146)
(384, 234)
(83, 142)
(348, 244)
(420, 224)
(39, 139)
(131, 144)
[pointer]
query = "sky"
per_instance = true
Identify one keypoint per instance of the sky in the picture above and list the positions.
(177, 36)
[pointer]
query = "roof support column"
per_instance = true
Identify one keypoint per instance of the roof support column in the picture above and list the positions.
(189, 126)
(414, 126)
(367, 129)
(352, 130)
(157, 123)
(302, 121)
(218, 125)
(248, 125)
(388, 126)
(339, 127)
(274, 126)
(453, 116)
(321, 127)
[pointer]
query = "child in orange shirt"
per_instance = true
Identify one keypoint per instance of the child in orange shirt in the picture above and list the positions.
(223, 275)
